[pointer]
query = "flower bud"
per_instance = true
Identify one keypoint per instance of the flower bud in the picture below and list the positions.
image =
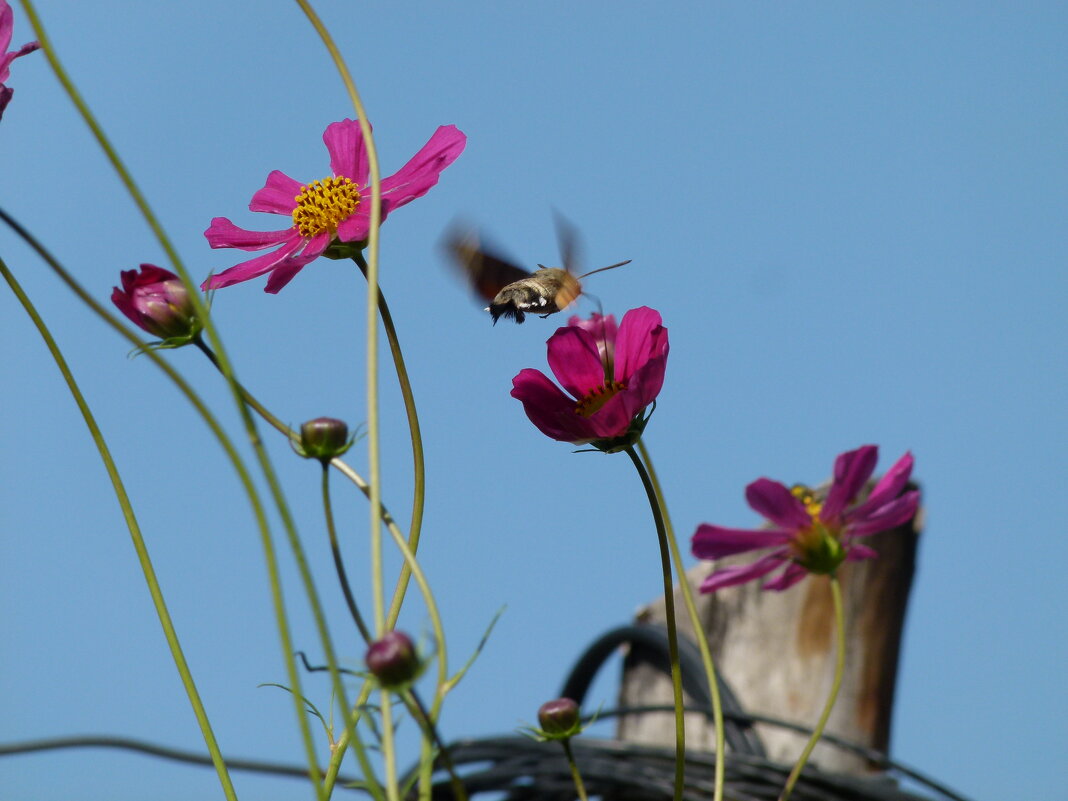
(392, 659)
(156, 301)
(324, 438)
(559, 718)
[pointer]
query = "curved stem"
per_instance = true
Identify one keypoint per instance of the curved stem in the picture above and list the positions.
(415, 704)
(836, 685)
(669, 610)
(209, 328)
(136, 537)
(698, 627)
(339, 565)
(580, 788)
(418, 465)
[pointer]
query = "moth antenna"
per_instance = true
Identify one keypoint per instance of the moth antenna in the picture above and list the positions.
(602, 269)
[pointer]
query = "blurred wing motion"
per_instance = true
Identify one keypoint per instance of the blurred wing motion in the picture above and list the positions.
(510, 290)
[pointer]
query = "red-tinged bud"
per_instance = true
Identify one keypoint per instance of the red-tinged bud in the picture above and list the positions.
(559, 718)
(156, 301)
(392, 660)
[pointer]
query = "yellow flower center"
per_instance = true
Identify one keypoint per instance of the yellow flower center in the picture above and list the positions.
(598, 397)
(322, 205)
(808, 499)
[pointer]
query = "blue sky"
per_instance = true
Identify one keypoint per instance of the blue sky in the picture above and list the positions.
(851, 217)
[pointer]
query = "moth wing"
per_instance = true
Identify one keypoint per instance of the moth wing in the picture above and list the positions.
(486, 272)
(567, 236)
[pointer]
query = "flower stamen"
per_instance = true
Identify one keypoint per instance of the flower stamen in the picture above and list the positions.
(596, 398)
(808, 500)
(323, 205)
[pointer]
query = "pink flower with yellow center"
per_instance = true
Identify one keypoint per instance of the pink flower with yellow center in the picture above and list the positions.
(612, 374)
(7, 27)
(332, 210)
(807, 535)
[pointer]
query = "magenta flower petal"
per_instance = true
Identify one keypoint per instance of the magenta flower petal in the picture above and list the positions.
(7, 27)
(715, 542)
(550, 409)
(348, 156)
(645, 384)
(613, 419)
(740, 574)
(641, 336)
(224, 234)
(286, 271)
(858, 552)
(253, 268)
(888, 487)
(891, 515)
(788, 578)
(356, 228)
(278, 196)
(775, 502)
(575, 360)
(422, 171)
(852, 470)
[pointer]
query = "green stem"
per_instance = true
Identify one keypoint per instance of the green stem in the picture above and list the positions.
(415, 705)
(414, 432)
(669, 610)
(836, 685)
(339, 565)
(695, 622)
(410, 565)
(209, 328)
(136, 537)
(580, 788)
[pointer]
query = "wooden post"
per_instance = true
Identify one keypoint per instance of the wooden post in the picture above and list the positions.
(776, 651)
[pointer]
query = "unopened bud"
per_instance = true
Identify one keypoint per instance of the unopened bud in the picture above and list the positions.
(559, 718)
(324, 438)
(392, 659)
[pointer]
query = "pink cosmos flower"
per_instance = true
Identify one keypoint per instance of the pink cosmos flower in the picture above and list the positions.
(333, 209)
(612, 373)
(156, 301)
(7, 26)
(810, 536)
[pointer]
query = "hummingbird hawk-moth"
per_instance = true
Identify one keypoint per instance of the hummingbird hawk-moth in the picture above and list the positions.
(512, 291)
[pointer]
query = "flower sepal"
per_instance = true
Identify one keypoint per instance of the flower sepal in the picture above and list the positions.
(345, 250)
(324, 438)
(822, 552)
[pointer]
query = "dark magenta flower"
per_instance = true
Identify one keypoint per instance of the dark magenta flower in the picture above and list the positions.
(157, 302)
(332, 210)
(612, 373)
(807, 535)
(7, 27)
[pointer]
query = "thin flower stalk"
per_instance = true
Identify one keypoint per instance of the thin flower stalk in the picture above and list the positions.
(832, 697)
(414, 432)
(576, 776)
(444, 684)
(136, 536)
(201, 312)
(695, 622)
(339, 564)
(669, 610)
